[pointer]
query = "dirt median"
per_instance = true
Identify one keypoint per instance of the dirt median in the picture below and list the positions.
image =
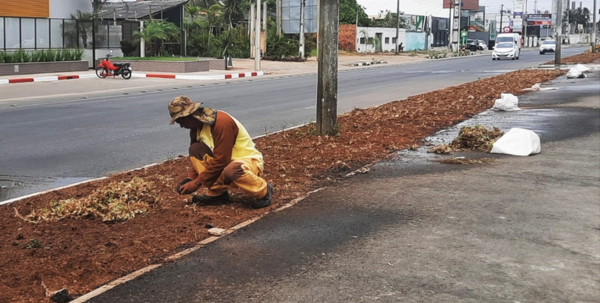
(81, 255)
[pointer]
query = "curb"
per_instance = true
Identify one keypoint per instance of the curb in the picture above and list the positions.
(367, 63)
(165, 76)
(197, 77)
(45, 79)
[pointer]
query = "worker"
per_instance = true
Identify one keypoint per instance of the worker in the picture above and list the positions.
(222, 154)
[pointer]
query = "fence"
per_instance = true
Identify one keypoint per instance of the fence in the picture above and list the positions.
(43, 33)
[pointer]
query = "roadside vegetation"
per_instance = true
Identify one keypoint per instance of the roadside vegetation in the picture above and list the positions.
(48, 55)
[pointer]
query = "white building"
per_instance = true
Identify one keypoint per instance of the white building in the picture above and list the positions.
(383, 39)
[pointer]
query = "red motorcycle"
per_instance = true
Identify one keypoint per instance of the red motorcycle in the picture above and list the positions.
(107, 68)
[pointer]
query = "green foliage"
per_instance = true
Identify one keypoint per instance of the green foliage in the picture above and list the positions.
(348, 10)
(155, 33)
(127, 47)
(22, 56)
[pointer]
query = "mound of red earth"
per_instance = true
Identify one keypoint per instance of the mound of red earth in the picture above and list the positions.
(81, 255)
(581, 58)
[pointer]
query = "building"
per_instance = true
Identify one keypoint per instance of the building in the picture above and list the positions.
(59, 9)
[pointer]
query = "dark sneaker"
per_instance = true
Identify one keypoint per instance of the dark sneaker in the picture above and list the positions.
(264, 201)
(210, 200)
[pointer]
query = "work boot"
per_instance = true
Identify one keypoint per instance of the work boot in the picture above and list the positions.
(211, 200)
(264, 201)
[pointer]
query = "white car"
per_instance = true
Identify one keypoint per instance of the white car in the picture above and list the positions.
(548, 46)
(506, 50)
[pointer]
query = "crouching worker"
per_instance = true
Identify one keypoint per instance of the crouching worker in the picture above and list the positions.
(222, 154)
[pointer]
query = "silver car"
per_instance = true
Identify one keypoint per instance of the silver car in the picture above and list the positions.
(506, 50)
(548, 46)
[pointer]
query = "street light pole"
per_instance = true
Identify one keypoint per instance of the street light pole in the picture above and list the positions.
(257, 27)
(501, 16)
(397, 24)
(594, 29)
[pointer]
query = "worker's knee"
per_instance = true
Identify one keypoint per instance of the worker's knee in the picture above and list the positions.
(199, 149)
(232, 172)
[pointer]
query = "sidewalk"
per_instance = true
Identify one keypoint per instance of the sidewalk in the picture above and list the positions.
(521, 229)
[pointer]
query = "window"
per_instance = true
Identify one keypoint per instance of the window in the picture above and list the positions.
(371, 41)
(394, 40)
(362, 40)
(387, 40)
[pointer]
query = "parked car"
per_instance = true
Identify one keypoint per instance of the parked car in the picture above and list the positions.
(475, 44)
(506, 50)
(548, 46)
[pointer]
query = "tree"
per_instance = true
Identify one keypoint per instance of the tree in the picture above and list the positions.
(192, 10)
(576, 16)
(83, 27)
(155, 32)
(97, 6)
(348, 11)
(390, 20)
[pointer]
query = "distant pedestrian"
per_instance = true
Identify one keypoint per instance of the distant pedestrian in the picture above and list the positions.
(222, 154)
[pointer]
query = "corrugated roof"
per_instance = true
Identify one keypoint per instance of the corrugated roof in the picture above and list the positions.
(136, 10)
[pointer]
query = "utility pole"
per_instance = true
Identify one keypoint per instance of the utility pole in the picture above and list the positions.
(327, 82)
(456, 25)
(257, 43)
(279, 17)
(594, 28)
(501, 16)
(397, 24)
(558, 35)
(302, 5)
(449, 24)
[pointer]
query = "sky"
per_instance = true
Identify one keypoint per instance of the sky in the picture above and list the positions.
(433, 7)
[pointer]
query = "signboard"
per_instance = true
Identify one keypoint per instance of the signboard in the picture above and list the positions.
(466, 4)
(539, 17)
(506, 29)
(493, 31)
(540, 23)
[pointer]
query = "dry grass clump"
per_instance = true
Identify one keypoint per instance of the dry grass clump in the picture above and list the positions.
(473, 138)
(118, 201)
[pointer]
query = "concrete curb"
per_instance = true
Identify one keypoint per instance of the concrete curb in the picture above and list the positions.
(200, 77)
(45, 79)
(165, 76)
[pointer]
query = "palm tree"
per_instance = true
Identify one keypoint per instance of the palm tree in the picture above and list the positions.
(157, 31)
(192, 10)
(232, 11)
(83, 27)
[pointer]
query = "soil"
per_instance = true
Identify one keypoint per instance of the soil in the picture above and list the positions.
(81, 255)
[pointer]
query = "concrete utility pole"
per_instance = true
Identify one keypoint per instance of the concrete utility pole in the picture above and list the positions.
(501, 16)
(257, 38)
(301, 34)
(594, 28)
(559, 29)
(279, 17)
(449, 24)
(327, 82)
(397, 24)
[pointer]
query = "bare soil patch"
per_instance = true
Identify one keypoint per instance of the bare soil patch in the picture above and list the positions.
(581, 58)
(82, 254)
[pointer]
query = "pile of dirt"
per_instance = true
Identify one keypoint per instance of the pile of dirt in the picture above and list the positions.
(584, 58)
(83, 254)
(472, 138)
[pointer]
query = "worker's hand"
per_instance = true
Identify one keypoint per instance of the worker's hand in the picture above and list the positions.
(186, 180)
(189, 187)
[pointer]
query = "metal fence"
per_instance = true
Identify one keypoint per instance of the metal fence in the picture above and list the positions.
(43, 33)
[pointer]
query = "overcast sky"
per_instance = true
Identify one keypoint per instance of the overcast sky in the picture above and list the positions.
(434, 6)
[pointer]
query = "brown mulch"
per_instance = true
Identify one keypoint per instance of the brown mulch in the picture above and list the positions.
(83, 254)
(584, 58)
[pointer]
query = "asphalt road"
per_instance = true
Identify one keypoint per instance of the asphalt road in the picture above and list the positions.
(62, 138)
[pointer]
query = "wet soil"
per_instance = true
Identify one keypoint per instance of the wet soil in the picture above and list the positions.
(81, 255)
